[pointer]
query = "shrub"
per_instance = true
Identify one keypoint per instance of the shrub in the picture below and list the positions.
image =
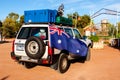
(118, 35)
(94, 38)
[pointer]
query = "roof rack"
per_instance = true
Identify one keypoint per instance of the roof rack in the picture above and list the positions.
(45, 16)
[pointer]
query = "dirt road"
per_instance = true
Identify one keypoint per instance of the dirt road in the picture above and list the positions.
(104, 65)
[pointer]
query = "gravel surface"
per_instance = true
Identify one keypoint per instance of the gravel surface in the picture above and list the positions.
(104, 65)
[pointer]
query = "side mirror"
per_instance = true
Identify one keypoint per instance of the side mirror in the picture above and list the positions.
(84, 37)
(16, 34)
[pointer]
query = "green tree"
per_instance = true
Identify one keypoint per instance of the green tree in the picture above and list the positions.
(84, 21)
(74, 15)
(70, 16)
(13, 16)
(21, 19)
(0, 27)
(0, 24)
(118, 27)
(118, 30)
(20, 23)
(79, 21)
(112, 30)
(75, 19)
(10, 25)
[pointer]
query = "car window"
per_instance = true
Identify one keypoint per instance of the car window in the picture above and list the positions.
(77, 34)
(68, 31)
(26, 32)
(60, 28)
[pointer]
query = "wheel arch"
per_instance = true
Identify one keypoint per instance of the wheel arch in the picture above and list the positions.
(64, 51)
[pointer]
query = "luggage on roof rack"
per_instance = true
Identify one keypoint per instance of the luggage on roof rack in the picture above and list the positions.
(45, 16)
(63, 21)
(40, 16)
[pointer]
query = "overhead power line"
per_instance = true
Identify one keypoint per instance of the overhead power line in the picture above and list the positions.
(105, 11)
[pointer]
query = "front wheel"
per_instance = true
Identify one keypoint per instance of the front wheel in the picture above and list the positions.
(88, 55)
(63, 63)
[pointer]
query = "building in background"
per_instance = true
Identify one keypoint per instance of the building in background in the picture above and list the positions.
(104, 27)
(90, 29)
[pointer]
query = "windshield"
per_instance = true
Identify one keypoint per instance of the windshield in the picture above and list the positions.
(27, 32)
(77, 34)
(68, 31)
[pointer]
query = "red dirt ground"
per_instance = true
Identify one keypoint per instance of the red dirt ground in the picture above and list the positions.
(104, 65)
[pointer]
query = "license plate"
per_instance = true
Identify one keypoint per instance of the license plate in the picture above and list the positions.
(20, 47)
(26, 58)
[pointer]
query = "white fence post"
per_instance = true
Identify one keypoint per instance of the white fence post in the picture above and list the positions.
(98, 45)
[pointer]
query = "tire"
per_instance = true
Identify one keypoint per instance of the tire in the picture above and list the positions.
(63, 63)
(29, 65)
(115, 42)
(34, 47)
(55, 59)
(88, 56)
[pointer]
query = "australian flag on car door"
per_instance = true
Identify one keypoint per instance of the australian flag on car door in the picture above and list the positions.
(63, 41)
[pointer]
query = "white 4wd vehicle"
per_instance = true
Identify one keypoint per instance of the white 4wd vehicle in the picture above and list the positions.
(31, 50)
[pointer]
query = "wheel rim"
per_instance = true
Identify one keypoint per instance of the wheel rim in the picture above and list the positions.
(33, 47)
(64, 63)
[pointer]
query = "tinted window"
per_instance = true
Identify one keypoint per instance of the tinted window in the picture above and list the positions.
(26, 32)
(60, 28)
(68, 31)
(77, 34)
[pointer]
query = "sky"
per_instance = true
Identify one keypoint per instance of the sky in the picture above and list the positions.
(83, 7)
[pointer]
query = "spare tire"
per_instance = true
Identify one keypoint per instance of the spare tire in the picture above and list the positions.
(34, 47)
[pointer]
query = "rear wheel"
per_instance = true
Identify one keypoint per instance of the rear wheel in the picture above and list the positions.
(29, 65)
(63, 63)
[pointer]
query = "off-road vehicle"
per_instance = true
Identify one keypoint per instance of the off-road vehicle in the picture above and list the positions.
(32, 46)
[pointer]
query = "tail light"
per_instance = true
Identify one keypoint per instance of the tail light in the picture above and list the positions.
(13, 45)
(45, 61)
(50, 53)
(13, 56)
(50, 49)
(12, 53)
